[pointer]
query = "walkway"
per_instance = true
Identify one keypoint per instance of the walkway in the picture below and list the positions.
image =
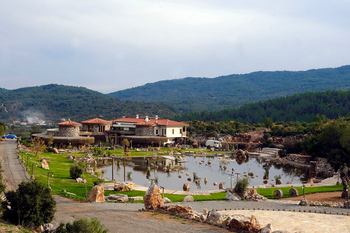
(14, 172)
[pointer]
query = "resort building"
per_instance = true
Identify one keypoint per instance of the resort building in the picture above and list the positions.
(147, 131)
(96, 128)
(67, 134)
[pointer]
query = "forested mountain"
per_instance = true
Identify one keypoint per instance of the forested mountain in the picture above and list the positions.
(78, 103)
(232, 91)
(299, 107)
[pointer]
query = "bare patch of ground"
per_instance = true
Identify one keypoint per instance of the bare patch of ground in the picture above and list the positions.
(321, 197)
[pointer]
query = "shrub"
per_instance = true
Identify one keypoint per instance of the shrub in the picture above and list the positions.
(82, 225)
(31, 205)
(241, 186)
(97, 182)
(75, 171)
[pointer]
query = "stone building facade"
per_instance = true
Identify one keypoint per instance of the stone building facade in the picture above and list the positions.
(68, 129)
(144, 131)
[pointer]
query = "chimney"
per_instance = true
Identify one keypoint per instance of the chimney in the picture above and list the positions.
(146, 119)
(156, 117)
(137, 116)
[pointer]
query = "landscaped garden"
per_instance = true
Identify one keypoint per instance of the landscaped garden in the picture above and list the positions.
(59, 178)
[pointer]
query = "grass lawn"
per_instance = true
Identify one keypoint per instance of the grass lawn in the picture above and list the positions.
(269, 192)
(61, 179)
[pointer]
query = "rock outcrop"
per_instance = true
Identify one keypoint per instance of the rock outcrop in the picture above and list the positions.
(153, 199)
(97, 194)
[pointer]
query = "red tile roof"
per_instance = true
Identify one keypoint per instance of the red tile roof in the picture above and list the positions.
(152, 121)
(69, 123)
(96, 121)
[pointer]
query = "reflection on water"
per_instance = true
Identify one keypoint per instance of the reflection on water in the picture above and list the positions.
(199, 169)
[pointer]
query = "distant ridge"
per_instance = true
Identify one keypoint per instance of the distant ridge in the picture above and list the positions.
(232, 91)
(53, 102)
(299, 107)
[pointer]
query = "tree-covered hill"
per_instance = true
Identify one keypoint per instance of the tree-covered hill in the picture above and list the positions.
(78, 103)
(233, 91)
(299, 107)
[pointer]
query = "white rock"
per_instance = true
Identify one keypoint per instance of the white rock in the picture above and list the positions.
(188, 199)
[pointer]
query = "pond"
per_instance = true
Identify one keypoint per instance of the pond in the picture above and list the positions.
(215, 169)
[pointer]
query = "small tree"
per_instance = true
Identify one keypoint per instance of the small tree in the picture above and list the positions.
(82, 225)
(31, 205)
(268, 122)
(126, 145)
(37, 145)
(75, 171)
(241, 186)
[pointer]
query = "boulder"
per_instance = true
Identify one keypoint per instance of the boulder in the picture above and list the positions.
(266, 229)
(166, 200)
(245, 226)
(215, 217)
(221, 186)
(229, 196)
(188, 199)
(153, 199)
(136, 198)
(179, 209)
(122, 187)
(278, 193)
(97, 194)
(293, 192)
(186, 187)
(48, 227)
(44, 164)
(117, 197)
(80, 180)
(55, 151)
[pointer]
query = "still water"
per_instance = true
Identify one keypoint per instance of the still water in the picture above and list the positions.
(211, 168)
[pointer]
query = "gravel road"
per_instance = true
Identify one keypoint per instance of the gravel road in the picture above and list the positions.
(14, 172)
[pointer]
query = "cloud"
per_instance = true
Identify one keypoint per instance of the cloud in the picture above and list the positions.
(112, 45)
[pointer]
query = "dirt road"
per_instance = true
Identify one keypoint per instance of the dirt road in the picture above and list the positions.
(14, 172)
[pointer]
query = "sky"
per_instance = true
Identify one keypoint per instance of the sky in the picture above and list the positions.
(111, 45)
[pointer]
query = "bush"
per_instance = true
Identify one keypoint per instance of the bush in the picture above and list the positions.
(31, 205)
(82, 225)
(97, 182)
(75, 171)
(241, 186)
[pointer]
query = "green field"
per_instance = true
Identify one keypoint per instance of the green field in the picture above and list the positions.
(269, 192)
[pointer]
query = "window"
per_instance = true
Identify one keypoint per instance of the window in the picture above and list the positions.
(180, 131)
(101, 128)
(173, 131)
(156, 131)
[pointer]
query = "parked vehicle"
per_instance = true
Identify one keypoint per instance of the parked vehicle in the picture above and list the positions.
(9, 136)
(213, 143)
